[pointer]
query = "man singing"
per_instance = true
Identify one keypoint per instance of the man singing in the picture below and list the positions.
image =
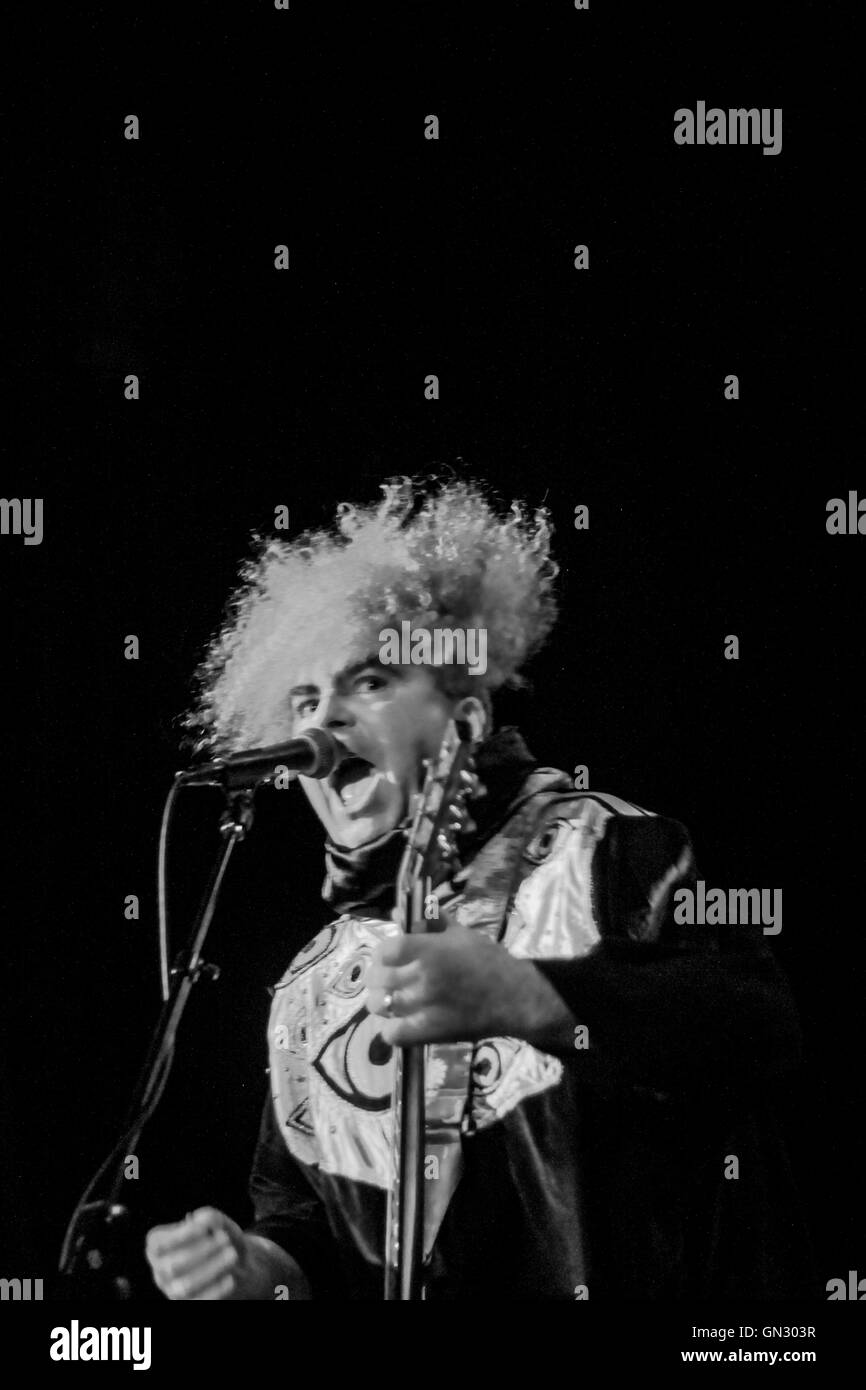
(592, 1067)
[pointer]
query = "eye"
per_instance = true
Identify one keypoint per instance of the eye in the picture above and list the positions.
(350, 980)
(369, 682)
(306, 706)
(542, 845)
(356, 1062)
(487, 1067)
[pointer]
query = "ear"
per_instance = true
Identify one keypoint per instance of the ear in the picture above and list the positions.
(473, 711)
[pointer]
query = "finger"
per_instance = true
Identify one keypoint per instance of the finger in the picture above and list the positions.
(211, 1217)
(393, 1003)
(392, 976)
(396, 950)
(184, 1263)
(212, 1221)
(205, 1275)
(223, 1289)
(163, 1239)
(188, 1280)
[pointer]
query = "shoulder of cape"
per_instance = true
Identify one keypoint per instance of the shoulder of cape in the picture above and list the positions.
(626, 828)
(636, 859)
(588, 807)
(606, 801)
(605, 815)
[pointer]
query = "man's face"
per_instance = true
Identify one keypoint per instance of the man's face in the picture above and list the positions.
(387, 718)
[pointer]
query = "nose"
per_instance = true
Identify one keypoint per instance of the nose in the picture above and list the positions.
(333, 713)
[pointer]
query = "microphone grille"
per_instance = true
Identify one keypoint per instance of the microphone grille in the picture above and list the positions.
(327, 749)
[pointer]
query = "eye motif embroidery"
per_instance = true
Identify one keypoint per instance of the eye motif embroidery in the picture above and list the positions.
(488, 1067)
(357, 1063)
(542, 845)
(314, 951)
(350, 978)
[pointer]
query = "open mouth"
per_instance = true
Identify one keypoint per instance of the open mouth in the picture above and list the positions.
(352, 779)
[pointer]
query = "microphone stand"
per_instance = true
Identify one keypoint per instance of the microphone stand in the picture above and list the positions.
(87, 1257)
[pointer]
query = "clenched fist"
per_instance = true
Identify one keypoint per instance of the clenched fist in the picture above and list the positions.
(207, 1256)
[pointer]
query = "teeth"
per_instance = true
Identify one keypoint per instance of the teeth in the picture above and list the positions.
(352, 772)
(355, 791)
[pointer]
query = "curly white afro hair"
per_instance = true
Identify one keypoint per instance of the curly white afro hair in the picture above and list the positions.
(437, 555)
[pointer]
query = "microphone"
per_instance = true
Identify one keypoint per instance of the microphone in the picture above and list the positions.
(314, 754)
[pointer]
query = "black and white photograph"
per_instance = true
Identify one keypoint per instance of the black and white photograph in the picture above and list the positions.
(433, 540)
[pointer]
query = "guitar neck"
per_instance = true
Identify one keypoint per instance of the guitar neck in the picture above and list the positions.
(440, 814)
(405, 1216)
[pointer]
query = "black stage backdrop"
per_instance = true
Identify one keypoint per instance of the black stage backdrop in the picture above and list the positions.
(602, 387)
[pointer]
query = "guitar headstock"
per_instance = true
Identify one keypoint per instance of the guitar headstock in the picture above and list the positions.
(441, 812)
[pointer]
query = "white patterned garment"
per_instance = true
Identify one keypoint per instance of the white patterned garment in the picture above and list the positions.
(331, 1071)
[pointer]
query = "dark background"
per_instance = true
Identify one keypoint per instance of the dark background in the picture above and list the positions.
(305, 388)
